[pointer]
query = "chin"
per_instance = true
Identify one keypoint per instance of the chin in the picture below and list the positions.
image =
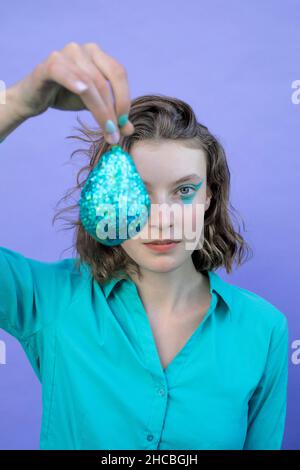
(161, 265)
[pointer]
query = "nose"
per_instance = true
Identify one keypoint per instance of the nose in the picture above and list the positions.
(161, 216)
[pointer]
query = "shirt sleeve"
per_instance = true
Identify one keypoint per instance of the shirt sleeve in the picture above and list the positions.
(31, 292)
(267, 406)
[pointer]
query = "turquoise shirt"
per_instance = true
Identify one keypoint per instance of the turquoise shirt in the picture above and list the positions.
(103, 385)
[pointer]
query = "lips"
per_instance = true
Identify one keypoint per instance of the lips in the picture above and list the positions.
(162, 242)
(162, 246)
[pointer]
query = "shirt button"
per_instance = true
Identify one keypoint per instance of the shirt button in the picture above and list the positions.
(150, 437)
(161, 392)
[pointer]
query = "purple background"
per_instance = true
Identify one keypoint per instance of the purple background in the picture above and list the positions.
(234, 62)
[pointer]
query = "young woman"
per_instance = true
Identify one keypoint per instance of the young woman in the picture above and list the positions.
(139, 346)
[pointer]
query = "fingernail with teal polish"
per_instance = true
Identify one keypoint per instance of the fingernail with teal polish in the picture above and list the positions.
(122, 120)
(110, 126)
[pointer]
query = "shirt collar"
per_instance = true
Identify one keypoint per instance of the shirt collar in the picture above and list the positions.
(221, 287)
(109, 285)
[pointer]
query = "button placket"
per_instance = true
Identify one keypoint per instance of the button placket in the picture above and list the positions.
(161, 390)
(159, 407)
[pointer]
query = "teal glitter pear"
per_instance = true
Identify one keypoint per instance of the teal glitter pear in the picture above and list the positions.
(114, 203)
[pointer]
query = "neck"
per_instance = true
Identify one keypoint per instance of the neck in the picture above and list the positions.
(172, 291)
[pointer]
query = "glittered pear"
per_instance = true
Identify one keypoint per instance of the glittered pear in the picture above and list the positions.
(114, 203)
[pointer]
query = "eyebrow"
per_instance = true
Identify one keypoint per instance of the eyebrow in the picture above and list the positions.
(180, 180)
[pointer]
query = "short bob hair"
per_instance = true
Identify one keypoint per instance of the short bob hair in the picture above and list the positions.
(158, 117)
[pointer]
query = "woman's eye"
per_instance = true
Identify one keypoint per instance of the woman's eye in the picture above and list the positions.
(187, 190)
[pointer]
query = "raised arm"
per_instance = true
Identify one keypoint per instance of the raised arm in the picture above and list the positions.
(74, 78)
(77, 77)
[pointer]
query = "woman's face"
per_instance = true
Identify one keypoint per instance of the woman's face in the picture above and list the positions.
(177, 207)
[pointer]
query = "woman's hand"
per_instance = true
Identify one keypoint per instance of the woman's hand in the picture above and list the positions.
(59, 82)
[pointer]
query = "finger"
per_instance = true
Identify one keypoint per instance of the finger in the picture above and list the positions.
(62, 71)
(81, 60)
(117, 76)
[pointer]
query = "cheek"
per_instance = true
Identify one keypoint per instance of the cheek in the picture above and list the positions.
(129, 246)
(135, 250)
(193, 216)
(189, 200)
(198, 217)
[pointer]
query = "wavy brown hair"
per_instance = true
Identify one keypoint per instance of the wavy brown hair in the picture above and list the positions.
(157, 117)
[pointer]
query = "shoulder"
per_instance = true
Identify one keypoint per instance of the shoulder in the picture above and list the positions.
(67, 274)
(260, 307)
(63, 277)
(64, 266)
(251, 309)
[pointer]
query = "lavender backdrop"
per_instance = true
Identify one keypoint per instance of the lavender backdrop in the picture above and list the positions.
(235, 63)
